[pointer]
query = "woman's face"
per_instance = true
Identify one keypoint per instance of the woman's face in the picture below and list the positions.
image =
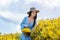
(33, 14)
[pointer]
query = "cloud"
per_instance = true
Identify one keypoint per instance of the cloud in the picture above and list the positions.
(16, 17)
(52, 3)
(46, 3)
(6, 2)
(29, 1)
(13, 18)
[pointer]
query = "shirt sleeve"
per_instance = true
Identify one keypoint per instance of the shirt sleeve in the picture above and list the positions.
(23, 23)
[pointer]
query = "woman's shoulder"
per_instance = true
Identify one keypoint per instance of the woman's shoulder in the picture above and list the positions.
(25, 17)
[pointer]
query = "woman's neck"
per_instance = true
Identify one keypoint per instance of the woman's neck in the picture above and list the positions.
(31, 17)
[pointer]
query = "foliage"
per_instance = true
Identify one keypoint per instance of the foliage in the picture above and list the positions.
(48, 29)
(11, 36)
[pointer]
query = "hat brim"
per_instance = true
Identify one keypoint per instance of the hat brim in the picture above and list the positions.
(37, 11)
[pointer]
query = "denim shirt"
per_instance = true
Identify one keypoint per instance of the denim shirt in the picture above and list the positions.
(26, 22)
(23, 23)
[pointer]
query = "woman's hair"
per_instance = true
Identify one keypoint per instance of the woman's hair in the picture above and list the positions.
(34, 18)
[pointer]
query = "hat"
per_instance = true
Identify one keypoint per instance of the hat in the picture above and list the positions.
(33, 9)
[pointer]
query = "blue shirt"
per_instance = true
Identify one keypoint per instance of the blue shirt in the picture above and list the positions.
(26, 22)
(23, 23)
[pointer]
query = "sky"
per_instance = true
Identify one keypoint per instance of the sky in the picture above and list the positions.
(12, 12)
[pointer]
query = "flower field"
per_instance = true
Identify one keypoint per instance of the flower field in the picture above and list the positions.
(11, 36)
(48, 29)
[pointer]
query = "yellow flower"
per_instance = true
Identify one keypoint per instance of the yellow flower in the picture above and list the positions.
(26, 30)
(58, 32)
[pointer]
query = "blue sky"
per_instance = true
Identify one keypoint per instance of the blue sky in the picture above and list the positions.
(13, 11)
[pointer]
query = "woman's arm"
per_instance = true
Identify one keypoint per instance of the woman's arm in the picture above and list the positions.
(23, 23)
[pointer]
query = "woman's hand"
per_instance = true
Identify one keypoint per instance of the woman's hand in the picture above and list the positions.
(27, 34)
(25, 26)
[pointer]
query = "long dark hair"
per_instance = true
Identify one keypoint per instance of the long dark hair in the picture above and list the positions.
(34, 18)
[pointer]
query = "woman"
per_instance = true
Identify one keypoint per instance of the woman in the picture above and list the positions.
(29, 21)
